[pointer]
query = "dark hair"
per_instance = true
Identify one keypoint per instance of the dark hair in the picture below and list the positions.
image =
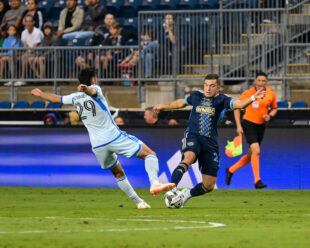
(35, 1)
(153, 112)
(16, 29)
(261, 73)
(86, 75)
(32, 17)
(213, 76)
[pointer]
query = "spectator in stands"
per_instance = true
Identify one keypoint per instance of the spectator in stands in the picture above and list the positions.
(71, 18)
(172, 121)
(11, 41)
(150, 51)
(101, 33)
(32, 9)
(50, 119)
(118, 37)
(119, 121)
(31, 37)
(3, 9)
(72, 119)
(151, 117)
(14, 15)
(167, 41)
(50, 40)
(94, 15)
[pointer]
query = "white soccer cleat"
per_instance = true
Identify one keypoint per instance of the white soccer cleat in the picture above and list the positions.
(143, 205)
(157, 188)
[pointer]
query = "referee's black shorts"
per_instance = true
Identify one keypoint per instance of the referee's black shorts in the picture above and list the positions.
(253, 132)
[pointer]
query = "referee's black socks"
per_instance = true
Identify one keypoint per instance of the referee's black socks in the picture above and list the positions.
(178, 173)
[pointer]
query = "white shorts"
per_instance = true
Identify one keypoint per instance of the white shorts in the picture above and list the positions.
(126, 145)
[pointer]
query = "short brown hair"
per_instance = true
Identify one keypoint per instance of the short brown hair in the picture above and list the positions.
(213, 76)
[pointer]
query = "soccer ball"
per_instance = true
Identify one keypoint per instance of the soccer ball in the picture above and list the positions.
(174, 199)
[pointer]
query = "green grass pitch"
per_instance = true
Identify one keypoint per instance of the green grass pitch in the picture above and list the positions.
(88, 217)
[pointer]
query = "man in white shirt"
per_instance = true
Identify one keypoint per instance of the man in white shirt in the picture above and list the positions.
(31, 37)
(106, 138)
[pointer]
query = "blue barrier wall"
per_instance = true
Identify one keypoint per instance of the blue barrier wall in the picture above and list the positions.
(62, 157)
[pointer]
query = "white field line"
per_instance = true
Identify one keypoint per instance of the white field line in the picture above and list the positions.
(110, 219)
(211, 225)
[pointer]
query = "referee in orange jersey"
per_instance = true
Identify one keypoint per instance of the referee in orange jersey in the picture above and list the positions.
(253, 126)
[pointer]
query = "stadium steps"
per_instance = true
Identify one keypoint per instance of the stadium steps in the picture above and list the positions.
(224, 59)
(306, 8)
(258, 38)
(201, 69)
(299, 68)
(303, 18)
(274, 27)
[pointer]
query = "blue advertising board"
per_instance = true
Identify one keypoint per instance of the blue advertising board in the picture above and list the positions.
(62, 157)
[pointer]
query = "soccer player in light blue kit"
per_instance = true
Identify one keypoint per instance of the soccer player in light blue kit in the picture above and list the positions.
(106, 138)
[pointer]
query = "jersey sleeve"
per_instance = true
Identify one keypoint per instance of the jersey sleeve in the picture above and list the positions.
(228, 102)
(68, 99)
(98, 91)
(274, 104)
(189, 99)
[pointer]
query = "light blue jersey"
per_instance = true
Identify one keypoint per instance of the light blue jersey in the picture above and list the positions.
(95, 115)
(106, 138)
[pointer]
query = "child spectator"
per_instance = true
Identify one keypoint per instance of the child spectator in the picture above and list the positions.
(11, 41)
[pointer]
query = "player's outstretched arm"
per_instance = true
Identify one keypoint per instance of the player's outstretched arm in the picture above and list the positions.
(240, 104)
(180, 103)
(46, 96)
(87, 90)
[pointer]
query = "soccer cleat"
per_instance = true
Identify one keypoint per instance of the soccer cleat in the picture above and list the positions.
(260, 185)
(157, 188)
(143, 205)
(228, 176)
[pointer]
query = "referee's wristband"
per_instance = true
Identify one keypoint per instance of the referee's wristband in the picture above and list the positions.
(253, 98)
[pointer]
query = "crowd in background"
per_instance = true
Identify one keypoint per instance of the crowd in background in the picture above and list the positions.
(26, 26)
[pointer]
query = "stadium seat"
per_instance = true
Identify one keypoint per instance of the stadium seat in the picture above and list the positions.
(57, 8)
(186, 4)
(21, 104)
(37, 104)
(113, 7)
(299, 104)
(282, 104)
(129, 8)
(46, 8)
(207, 4)
(52, 105)
(148, 5)
(131, 24)
(167, 4)
(5, 105)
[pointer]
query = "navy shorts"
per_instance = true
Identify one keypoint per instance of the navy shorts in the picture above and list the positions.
(206, 153)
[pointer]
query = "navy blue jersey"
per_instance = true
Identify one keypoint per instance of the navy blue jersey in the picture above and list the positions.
(206, 113)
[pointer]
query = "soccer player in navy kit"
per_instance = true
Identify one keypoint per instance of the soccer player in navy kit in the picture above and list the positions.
(200, 141)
